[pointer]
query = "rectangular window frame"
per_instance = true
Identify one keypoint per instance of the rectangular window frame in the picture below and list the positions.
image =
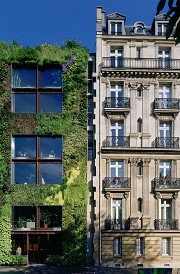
(117, 247)
(37, 90)
(38, 160)
(140, 243)
(166, 246)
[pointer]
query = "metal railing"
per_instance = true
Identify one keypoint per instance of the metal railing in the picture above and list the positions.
(117, 182)
(117, 102)
(117, 224)
(165, 224)
(166, 142)
(116, 141)
(167, 183)
(167, 103)
(140, 63)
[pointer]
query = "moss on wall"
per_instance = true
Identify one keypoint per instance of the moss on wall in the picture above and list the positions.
(72, 193)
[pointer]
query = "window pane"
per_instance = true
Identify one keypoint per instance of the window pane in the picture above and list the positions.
(24, 173)
(24, 216)
(50, 173)
(50, 147)
(112, 28)
(50, 103)
(24, 103)
(119, 27)
(50, 215)
(24, 78)
(50, 78)
(24, 146)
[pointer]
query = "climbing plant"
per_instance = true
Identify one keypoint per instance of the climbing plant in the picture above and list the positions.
(71, 124)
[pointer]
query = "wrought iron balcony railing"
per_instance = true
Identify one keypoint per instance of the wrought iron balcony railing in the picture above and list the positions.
(167, 183)
(117, 182)
(116, 141)
(140, 63)
(172, 142)
(117, 224)
(117, 102)
(166, 224)
(167, 103)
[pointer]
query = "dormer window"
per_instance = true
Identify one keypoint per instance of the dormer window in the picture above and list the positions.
(139, 28)
(162, 29)
(116, 28)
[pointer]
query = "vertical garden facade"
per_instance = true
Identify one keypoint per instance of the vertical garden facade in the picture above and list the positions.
(43, 153)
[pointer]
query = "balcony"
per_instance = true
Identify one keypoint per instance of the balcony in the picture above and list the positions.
(117, 183)
(119, 105)
(166, 142)
(167, 105)
(140, 67)
(140, 63)
(117, 224)
(167, 183)
(116, 141)
(166, 224)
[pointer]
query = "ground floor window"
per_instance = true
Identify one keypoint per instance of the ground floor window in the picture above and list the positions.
(140, 246)
(166, 246)
(117, 246)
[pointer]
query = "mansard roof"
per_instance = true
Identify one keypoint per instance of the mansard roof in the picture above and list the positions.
(116, 16)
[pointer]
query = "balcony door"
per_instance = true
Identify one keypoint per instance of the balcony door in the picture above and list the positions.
(116, 210)
(165, 133)
(117, 133)
(165, 211)
(117, 94)
(117, 169)
(116, 57)
(165, 169)
(164, 91)
(164, 56)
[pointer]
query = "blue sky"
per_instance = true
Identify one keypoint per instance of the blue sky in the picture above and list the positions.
(34, 22)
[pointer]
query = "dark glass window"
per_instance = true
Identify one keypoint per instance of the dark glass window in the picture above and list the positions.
(24, 78)
(37, 159)
(50, 216)
(50, 103)
(50, 78)
(27, 217)
(24, 103)
(50, 147)
(50, 173)
(37, 90)
(24, 147)
(24, 173)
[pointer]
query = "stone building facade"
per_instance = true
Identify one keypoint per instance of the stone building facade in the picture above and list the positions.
(134, 180)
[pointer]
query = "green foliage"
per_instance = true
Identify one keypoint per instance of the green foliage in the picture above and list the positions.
(71, 123)
(18, 260)
(32, 194)
(174, 12)
(5, 233)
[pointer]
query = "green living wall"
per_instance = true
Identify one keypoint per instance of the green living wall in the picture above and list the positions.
(71, 123)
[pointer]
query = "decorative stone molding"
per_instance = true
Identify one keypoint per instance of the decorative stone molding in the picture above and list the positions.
(146, 161)
(133, 161)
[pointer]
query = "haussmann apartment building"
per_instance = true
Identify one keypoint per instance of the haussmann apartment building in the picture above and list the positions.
(134, 202)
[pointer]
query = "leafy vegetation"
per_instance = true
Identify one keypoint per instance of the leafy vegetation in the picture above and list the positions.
(174, 22)
(71, 123)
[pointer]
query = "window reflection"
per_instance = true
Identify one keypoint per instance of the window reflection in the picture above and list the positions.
(24, 103)
(24, 147)
(50, 103)
(50, 173)
(50, 78)
(24, 173)
(24, 78)
(50, 147)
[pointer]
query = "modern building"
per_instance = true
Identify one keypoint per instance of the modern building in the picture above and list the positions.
(43, 141)
(134, 201)
(36, 162)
